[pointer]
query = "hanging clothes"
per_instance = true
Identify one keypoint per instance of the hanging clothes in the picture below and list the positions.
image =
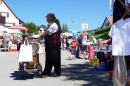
(120, 33)
(119, 79)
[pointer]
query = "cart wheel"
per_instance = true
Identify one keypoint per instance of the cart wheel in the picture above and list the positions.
(20, 70)
(39, 67)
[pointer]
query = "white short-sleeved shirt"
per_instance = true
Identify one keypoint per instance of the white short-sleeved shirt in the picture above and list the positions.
(120, 33)
(53, 28)
(84, 40)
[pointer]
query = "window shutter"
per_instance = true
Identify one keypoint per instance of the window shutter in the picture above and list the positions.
(7, 14)
(0, 2)
(2, 19)
(0, 13)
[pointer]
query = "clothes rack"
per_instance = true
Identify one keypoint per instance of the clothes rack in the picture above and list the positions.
(126, 7)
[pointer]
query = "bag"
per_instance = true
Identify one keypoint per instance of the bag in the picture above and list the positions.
(40, 49)
(25, 53)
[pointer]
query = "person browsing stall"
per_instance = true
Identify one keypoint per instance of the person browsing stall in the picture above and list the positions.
(52, 46)
(7, 38)
(74, 48)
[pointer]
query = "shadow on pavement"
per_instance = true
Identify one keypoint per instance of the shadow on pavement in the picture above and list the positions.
(25, 75)
(83, 72)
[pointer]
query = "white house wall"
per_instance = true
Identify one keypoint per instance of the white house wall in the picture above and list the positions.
(11, 19)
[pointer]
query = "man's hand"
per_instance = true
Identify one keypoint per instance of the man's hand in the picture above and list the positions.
(43, 35)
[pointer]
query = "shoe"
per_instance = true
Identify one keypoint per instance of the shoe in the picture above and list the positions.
(55, 75)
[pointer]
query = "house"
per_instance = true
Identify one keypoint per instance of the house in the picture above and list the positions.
(107, 22)
(7, 17)
(42, 28)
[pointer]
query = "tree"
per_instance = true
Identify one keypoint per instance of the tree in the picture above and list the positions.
(32, 28)
(64, 28)
(58, 23)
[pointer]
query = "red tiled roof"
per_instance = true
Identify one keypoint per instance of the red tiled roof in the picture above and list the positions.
(110, 19)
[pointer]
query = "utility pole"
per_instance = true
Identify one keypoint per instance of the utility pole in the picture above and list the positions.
(72, 23)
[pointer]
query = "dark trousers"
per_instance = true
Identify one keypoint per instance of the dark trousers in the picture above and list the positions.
(77, 53)
(53, 58)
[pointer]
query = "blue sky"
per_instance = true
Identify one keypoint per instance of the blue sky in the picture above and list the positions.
(92, 12)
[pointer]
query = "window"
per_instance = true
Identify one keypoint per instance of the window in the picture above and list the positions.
(106, 24)
(5, 14)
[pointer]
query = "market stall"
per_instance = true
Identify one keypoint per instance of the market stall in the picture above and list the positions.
(16, 37)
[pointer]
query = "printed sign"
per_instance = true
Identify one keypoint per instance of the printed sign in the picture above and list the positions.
(85, 26)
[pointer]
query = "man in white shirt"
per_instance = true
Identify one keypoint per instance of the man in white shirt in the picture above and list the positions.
(52, 46)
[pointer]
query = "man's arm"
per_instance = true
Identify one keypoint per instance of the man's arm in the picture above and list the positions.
(53, 28)
(45, 33)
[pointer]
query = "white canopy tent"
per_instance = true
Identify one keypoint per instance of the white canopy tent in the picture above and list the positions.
(67, 34)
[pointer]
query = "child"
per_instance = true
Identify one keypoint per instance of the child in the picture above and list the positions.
(73, 47)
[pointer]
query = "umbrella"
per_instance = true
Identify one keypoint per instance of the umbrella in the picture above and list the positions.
(17, 27)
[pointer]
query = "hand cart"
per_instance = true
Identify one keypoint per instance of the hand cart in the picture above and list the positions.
(35, 64)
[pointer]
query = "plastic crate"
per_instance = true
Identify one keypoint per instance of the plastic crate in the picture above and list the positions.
(100, 68)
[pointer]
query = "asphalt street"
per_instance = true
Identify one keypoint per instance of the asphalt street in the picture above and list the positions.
(74, 73)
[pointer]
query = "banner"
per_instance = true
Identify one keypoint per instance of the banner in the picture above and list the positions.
(85, 26)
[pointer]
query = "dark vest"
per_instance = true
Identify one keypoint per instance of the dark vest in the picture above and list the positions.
(54, 38)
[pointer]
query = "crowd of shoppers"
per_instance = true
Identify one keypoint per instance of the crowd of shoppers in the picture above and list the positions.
(78, 46)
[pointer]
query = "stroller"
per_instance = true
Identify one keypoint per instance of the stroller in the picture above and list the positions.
(35, 64)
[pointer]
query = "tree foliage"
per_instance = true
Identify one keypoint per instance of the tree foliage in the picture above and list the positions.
(57, 22)
(64, 28)
(32, 28)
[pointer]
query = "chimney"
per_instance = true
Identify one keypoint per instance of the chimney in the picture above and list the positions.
(13, 24)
